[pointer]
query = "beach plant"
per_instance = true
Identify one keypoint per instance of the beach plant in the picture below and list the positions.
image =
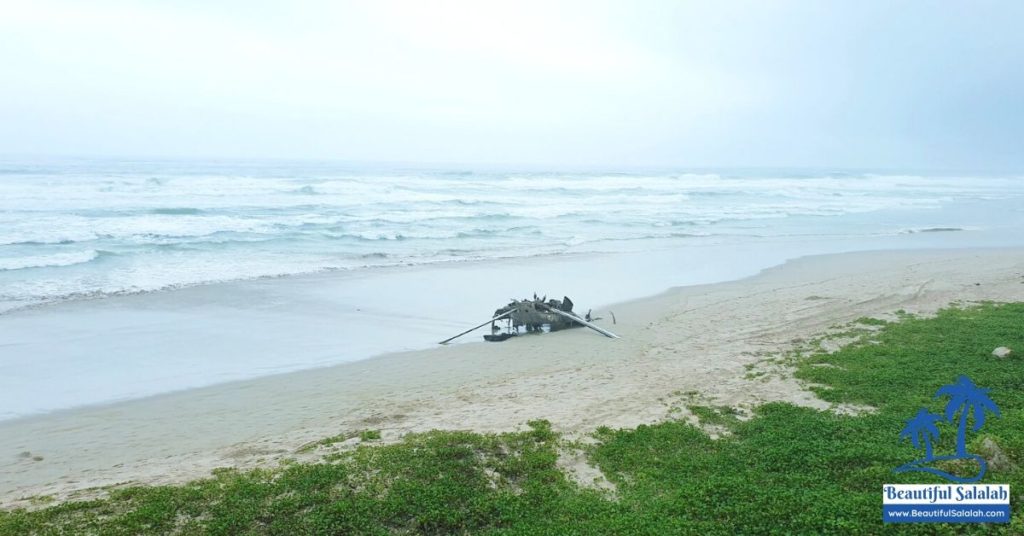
(369, 435)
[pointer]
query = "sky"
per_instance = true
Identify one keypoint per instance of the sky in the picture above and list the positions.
(844, 84)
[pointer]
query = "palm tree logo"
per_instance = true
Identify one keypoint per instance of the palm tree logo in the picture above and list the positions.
(922, 429)
(966, 400)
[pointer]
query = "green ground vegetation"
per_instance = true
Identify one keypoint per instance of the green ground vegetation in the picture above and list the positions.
(787, 470)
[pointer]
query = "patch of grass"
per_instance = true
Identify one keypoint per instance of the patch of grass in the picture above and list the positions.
(868, 321)
(365, 435)
(42, 499)
(787, 470)
(369, 435)
(327, 441)
(754, 375)
(719, 416)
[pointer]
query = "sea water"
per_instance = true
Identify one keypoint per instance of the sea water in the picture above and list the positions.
(122, 279)
(86, 228)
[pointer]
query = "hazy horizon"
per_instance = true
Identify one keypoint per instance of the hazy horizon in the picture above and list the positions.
(565, 85)
(41, 161)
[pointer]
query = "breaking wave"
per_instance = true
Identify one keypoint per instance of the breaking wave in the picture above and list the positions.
(163, 224)
(933, 230)
(48, 261)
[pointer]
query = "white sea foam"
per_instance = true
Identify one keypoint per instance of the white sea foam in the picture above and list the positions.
(47, 261)
(168, 224)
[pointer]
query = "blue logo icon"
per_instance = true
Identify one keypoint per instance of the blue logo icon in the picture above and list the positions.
(966, 401)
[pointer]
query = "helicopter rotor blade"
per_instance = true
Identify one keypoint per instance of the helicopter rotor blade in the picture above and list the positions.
(499, 317)
(575, 318)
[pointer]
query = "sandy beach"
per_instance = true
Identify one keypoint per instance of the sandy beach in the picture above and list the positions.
(243, 250)
(688, 343)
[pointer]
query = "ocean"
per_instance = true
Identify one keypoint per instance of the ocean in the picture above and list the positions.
(90, 228)
(127, 279)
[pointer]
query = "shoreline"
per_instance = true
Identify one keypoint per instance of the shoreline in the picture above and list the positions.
(92, 296)
(85, 353)
(691, 338)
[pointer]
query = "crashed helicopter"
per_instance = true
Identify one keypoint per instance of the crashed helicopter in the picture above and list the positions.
(536, 315)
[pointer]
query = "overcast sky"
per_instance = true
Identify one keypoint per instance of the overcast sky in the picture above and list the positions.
(888, 84)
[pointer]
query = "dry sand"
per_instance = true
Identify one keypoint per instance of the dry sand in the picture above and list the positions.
(690, 343)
